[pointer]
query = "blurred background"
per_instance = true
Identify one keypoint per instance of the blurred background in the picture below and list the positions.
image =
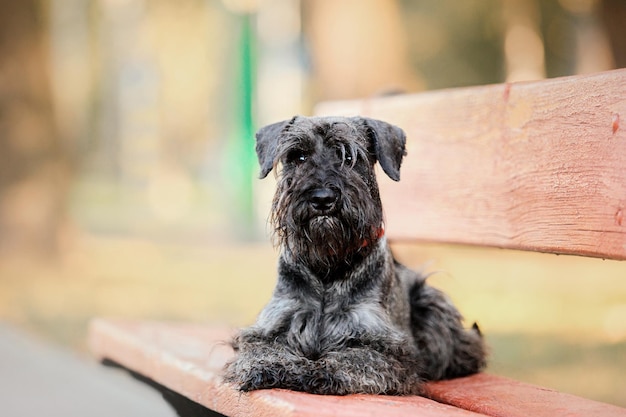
(127, 165)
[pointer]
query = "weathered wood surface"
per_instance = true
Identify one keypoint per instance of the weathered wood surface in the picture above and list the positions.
(498, 396)
(188, 359)
(534, 166)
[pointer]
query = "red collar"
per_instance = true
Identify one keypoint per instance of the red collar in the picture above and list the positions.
(379, 233)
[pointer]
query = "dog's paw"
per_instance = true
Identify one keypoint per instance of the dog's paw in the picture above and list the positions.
(250, 377)
(322, 381)
(259, 379)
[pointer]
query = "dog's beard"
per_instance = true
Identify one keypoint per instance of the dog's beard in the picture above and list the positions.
(328, 240)
(327, 243)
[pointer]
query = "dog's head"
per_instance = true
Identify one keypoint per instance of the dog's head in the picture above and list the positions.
(327, 206)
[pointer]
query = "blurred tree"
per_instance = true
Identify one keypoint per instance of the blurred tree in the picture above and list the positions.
(456, 43)
(359, 48)
(33, 164)
(614, 14)
(524, 50)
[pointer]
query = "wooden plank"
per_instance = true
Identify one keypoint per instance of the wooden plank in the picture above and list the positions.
(535, 166)
(497, 396)
(189, 358)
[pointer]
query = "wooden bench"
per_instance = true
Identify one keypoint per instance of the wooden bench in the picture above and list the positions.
(535, 166)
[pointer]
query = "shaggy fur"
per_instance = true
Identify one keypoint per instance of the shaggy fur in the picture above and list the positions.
(345, 316)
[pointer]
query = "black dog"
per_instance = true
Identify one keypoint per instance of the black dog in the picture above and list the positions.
(345, 316)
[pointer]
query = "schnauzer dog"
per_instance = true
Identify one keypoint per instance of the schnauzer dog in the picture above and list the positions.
(345, 316)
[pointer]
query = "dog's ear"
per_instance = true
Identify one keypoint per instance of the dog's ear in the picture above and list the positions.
(267, 144)
(389, 144)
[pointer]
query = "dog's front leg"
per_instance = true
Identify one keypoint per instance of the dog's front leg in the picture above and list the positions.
(264, 359)
(364, 370)
(265, 364)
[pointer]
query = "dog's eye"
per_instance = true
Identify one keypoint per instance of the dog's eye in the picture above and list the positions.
(345, 156)
(297, 157)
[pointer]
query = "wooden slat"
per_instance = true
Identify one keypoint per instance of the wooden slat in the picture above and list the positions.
(188, 359)
(535, 166)
(497, 396)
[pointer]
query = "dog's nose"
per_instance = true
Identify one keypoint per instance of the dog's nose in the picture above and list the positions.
(323, 199)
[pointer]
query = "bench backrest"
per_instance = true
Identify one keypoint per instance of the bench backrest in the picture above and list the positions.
(537, 166)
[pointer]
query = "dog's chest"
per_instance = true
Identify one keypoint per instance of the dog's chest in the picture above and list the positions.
(332, 322)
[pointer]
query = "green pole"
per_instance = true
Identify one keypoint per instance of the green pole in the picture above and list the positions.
(247, 114)
(245, 126)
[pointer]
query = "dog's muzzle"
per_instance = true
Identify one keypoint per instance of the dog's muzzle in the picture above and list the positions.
(324, 199)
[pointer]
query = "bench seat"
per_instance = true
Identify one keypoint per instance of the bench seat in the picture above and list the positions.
(184, 361)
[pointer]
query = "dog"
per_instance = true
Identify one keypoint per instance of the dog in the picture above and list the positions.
(345, 316)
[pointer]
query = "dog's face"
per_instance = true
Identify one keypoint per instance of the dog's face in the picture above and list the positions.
(327, 207)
